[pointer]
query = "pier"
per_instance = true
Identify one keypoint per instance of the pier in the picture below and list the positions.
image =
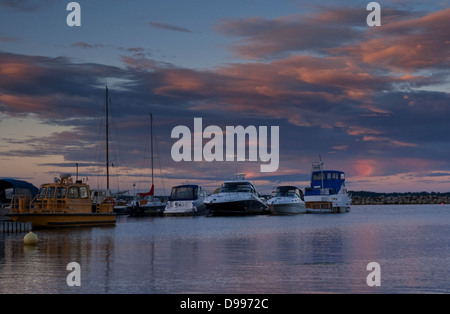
(14, 227)
(8, 226)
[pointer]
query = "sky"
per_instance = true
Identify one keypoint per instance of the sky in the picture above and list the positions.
(370, 101)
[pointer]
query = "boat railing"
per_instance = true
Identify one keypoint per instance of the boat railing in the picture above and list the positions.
(320, 205)
(106, 206)
(21, 203)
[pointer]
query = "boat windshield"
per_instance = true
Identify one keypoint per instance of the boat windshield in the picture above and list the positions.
(61, 193)
(287, 192)
(242, 187)
(183, 193)
(42, 193)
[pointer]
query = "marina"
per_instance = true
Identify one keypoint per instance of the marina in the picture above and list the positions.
(250, 254)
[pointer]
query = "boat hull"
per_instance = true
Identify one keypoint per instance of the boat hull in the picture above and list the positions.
(61, 220)
(287, 209)
(185, 208)
(142, 211)
(245, 207)
(318, 207)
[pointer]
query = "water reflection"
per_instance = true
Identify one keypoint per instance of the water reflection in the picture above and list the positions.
(309, 253)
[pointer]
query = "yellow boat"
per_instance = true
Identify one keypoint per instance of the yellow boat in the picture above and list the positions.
(63, 203)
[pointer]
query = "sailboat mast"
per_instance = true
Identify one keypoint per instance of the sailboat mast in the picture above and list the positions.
(151, 144)
(107, 139)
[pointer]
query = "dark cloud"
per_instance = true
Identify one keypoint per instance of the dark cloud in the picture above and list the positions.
(169, 27)
(26, 5)
(84, 45)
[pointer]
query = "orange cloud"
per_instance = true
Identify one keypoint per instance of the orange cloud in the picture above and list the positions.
(18, 70)
(407, 45)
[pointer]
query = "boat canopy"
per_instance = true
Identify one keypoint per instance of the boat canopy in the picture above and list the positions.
(329, 180)
(184, 193)
(283, 191)
(10, 187)
(238, 186)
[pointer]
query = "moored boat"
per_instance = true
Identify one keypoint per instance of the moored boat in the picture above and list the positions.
(63, 203)
(287, 200)
(98, 195)
(238, 197)
(327, 193)
(186, 200)
(148, 204)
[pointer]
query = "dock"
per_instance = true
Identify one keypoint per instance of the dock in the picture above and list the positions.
(8, 226)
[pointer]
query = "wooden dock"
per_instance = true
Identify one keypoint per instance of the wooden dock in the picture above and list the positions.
(15, 227)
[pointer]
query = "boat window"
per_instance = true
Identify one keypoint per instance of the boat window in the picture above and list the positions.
(330, 176)
(183, 193)
(73, 192)
(42, 193)
(83, 192)
(60, 193)
(318, 176)
(342, 176)
(51, 192)
(237, 187)
(287, 193)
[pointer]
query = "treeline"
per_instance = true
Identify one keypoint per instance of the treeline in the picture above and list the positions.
(373, 198)
(375, 194)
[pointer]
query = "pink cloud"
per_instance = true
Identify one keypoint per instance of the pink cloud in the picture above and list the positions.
(408, 44)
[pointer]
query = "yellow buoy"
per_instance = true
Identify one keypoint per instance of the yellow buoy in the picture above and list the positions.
(30, 239)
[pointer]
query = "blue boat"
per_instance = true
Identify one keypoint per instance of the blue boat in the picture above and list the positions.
(327, 193)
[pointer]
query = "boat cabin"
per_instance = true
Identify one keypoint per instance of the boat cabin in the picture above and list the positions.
(288, 191)
(238, 187)
(64, 196)
(327, 182)
(186, 193)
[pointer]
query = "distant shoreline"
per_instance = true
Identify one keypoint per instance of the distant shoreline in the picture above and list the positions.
(372, 198)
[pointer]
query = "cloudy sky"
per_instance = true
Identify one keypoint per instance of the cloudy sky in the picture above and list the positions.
(371, 101)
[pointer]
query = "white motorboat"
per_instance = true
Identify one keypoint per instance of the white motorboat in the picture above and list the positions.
(287, 200)
(327, 193)
(238, 197)
(186, 200)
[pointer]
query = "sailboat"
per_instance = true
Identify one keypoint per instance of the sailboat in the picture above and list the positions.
(99, 195)
(148, 204)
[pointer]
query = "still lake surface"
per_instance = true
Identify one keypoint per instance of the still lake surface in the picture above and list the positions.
(308, 253)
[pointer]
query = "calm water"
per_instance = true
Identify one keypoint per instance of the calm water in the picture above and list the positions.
(261, 254)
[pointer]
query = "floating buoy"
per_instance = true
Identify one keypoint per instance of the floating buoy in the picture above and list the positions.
(30, 239)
